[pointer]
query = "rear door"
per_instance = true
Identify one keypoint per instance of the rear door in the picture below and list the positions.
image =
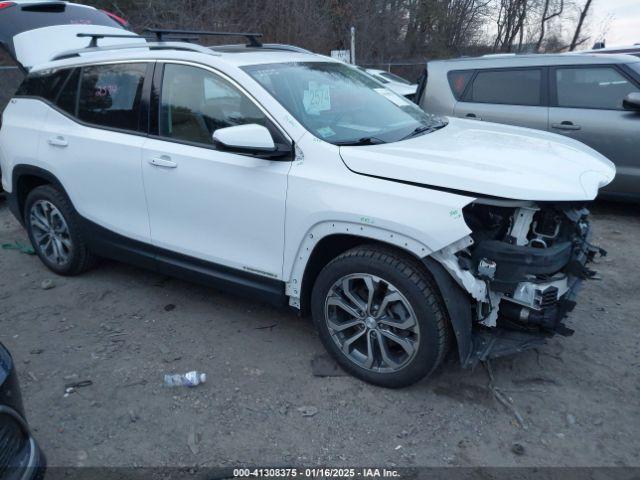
(515, 96)
(92, 142)
(586, 104)
(34, 32)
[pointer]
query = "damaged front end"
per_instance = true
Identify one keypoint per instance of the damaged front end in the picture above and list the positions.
(522, 265)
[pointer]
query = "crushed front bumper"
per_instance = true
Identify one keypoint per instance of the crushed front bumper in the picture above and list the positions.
(511, 283)
(510, 337)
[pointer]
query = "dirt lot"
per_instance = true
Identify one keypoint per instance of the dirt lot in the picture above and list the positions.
(579, 396)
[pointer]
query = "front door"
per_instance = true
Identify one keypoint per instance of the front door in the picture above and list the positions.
(587, 106)
(208, 204)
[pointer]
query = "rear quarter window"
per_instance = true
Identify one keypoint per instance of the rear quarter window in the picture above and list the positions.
(458, 81)
(45, 84)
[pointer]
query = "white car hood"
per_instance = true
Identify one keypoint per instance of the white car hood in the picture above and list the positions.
(488, 159)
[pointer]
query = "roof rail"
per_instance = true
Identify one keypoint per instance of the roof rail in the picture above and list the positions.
(148, 45)
(161, 32)
(98, 36)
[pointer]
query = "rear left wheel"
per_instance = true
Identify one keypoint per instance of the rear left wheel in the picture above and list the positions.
(54, 232)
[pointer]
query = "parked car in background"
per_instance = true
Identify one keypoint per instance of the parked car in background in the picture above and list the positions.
(20, 456)
(394, 82)
(590, 98)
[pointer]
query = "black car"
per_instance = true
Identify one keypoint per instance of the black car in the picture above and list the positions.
(20, 456)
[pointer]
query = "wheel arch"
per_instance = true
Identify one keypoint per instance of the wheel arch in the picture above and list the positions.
(318, 250)
(326, 240)
(24, 179)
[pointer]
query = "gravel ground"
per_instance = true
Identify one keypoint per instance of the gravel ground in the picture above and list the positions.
(123, 328)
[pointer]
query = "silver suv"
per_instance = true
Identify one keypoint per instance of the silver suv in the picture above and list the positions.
(592, 98)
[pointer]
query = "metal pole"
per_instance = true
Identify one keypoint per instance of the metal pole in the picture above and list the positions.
(353, 45)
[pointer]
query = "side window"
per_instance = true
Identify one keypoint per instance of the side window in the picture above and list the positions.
(45, 84)
(194, 103)
(458, 81)
(110, 95)
(594, 87)
(68, 96)
(510, 87)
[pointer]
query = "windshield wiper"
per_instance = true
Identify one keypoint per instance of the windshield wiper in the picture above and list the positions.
(424, 129)
(361, 141)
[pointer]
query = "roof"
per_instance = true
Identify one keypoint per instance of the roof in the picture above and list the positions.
(547, 59)
(235, 55)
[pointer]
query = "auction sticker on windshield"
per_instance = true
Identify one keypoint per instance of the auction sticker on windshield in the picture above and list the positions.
(317, 98)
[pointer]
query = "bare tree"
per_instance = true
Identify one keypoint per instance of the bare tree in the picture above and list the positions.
(576, 40)
(548, 14)
(510, 22)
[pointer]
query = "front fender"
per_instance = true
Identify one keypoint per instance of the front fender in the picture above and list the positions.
(322, 230)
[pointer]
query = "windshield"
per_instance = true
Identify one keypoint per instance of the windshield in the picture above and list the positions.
(341, 105)
(395, 78)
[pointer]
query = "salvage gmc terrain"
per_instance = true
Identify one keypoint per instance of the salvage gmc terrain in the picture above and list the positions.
(301, 180)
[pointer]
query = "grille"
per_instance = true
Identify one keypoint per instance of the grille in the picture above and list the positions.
(13, 441)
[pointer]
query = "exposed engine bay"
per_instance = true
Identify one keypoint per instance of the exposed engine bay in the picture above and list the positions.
(522, 265)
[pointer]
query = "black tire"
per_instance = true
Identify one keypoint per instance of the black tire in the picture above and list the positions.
(79, 258)
(410, 279)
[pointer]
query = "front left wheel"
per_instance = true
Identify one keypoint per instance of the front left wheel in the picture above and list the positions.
(379, 315)
(54, 232)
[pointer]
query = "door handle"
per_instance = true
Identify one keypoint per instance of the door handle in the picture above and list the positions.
(163, 161)
(473, 116)
(566, 125)
(58, 141)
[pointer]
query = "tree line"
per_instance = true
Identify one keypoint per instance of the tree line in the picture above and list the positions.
(387, 31)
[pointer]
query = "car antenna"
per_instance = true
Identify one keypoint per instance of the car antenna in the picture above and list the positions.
(161, 32)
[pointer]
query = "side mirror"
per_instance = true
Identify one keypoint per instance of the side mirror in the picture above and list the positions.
(250, 138)
(632, 102)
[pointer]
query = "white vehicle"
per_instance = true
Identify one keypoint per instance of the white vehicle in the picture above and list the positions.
(394, 82)
(297, 179)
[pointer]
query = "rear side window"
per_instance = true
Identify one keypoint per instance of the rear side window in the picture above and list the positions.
(594, 87)
(511, 87)
(68, 96)
(110, 95)
(45, 84)
(458, 82)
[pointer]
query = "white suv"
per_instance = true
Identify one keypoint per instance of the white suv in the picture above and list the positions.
(298, 179)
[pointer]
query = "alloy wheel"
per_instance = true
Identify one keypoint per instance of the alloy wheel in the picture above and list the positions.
(372, 322)
(50, 232)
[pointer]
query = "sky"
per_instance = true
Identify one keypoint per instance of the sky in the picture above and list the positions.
(624, 24)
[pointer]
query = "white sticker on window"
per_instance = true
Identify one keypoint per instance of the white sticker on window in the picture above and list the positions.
(317, 98)
(392, 97)
(326, 132)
